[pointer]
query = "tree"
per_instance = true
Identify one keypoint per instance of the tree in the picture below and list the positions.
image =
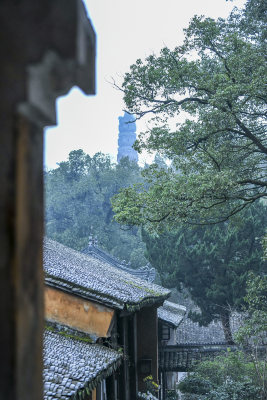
(237, 375)
(229, 376)
(212, 263)
(254, 329)
(264, 243)
(253, 332)
(212, 88)
(78, 196)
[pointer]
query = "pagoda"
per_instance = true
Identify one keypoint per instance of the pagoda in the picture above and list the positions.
(127, 137)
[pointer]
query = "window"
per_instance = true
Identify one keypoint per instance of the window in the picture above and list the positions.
(164, 332)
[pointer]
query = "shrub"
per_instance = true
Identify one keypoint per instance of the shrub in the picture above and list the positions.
(195, 384)
(233, 390)
(228, 377)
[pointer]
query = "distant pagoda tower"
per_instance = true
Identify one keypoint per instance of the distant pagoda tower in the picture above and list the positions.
(127, 137)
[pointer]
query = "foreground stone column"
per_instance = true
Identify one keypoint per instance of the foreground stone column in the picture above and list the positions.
(46, 47)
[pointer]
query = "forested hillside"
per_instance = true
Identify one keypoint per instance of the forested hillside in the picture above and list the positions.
(77, 195)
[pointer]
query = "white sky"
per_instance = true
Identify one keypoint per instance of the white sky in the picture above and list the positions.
(126, 30)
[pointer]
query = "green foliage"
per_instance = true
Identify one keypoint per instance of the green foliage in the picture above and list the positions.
(233, 390)
(237, 375)
(172, 395)
(211, 89)
(228, 377)
(234, 365)
(253, 333)
(77, 196)
(254, 329)
(195, 384)
(152, 389)
(264, 243)
(212, 262)
(151, 385)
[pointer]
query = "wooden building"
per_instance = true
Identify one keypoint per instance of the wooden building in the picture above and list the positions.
(186, 342)
(170, 316)
(109, 307)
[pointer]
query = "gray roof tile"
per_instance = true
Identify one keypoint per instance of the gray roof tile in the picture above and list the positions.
(96, 279)
(147, 273)
(190, 332)
(72, 365)
(171, 313)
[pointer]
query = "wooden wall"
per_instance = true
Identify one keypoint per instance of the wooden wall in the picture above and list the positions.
(147, 342)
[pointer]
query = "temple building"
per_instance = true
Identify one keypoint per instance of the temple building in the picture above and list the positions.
(108, 327)
(101, 330)
(127, 137)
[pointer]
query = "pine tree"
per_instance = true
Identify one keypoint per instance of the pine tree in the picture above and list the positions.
(212, 262)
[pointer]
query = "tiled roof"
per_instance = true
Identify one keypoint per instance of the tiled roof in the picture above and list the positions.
(171, 313)
(183, 358)
(95, 279)
(190, 332)
(72, 366)
(147, 273)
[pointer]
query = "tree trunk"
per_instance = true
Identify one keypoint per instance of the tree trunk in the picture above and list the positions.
(225, 319)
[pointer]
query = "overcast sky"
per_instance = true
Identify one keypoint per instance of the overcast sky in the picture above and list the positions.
(126, 30)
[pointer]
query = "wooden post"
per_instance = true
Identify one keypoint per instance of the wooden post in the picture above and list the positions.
(135, 354)
(125, 363)
(44, 52)
(21, 283)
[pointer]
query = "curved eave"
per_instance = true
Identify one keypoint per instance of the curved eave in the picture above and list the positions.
(168, 323)
(103, 298)
(60, 372)
(92, 384)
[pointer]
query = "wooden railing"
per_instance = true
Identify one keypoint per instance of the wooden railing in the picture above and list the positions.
(181, 358)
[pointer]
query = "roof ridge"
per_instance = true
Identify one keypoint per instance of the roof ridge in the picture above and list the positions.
(146, 272)
(89, 277)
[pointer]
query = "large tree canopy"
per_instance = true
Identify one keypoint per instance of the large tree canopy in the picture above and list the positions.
(214, 88)
(212, 262)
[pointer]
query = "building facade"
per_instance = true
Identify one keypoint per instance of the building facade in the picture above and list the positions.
(88, 299)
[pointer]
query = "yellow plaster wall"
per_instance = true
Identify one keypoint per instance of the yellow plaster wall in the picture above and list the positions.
(94, 394)
(77, 313)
